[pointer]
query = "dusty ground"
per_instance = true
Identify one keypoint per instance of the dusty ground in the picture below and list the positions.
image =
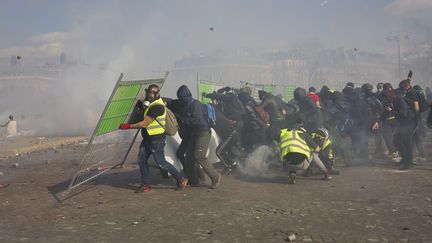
(373, 203)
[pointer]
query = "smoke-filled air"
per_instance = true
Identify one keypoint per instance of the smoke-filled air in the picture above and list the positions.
(70, 54)
(215, 121)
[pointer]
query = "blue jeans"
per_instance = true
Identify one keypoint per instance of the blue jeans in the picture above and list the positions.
(157, 149)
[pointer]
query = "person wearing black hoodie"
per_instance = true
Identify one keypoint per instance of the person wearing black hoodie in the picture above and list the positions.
(388, 118)
(254, 128)
(232, 108)
(309, 111)
(196, 129)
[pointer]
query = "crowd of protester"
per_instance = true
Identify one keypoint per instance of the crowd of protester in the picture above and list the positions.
(356, 125)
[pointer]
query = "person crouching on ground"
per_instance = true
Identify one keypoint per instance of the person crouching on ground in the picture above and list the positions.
(153, 143)
(298, 151)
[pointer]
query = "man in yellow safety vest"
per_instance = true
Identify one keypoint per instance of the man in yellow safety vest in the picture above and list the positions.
(298, 151)
(153, 143)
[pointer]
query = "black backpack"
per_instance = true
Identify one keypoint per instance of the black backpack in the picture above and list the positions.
(423, 104)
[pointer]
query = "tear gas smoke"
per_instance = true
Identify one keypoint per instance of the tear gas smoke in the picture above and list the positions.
(257, 162)
(144, 40)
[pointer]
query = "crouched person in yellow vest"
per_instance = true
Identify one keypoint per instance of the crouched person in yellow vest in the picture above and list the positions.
(322, 139)
(153, 143)
(298, 151)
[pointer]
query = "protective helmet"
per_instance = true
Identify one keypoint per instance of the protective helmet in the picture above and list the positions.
(152, 93)
(323, 133)
(299, 93)
(387, 86)
(247, 90)
(380, 86)
(417, 87)
(350, 84)
(367, 88)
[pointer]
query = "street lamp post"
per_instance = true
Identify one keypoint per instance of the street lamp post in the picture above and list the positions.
(397, 39)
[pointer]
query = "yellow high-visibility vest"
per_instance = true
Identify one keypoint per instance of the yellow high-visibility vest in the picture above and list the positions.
(325, 145)
(157, 126)
(291, 142)
(326, 142)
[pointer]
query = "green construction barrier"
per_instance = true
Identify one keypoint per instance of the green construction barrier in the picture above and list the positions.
(268, 88)
(119, 107)
(206, 87)
(289, 92)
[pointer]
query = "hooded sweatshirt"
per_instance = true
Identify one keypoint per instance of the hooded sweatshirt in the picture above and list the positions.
(193, 114)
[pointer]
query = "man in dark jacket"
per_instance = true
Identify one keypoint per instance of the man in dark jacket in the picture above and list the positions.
(230, 105)
(375, 111)
(254, 129)
(197, 131)
(274, 106)
(388, 118)
(309, 111)
(405, 115)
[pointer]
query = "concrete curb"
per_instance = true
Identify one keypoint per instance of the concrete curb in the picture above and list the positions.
(50, 143)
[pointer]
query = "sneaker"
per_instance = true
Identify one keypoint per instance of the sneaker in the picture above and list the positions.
(406, 167)
(216, 183)
(182, 183)
(291, 178)
(143, 188)
(327, 177)
(397, 159)
(420, 159)
(393, 155)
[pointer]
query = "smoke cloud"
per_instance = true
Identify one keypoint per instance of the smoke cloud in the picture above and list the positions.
(143, 39)
(257, 162)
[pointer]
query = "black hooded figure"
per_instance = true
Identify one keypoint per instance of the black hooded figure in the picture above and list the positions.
(309, 111)
(196, 134)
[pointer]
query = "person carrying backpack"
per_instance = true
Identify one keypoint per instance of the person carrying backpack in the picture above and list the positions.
(405, 113)
(194, 117)
(232, 108)
(420, 132)
(375, 110)
(388, 119)
(254, 128)
(153, 143)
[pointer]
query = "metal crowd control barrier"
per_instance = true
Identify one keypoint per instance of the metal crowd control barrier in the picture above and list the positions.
(109, 147)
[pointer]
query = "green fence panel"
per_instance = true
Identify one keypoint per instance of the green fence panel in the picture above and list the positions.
(119, 108)
(207, 87)
(289, 92)
(268, 88)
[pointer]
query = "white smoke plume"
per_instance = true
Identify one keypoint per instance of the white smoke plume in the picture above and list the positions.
(257, 162)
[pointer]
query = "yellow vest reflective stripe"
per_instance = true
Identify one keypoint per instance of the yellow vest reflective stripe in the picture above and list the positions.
(156, 127)
(325, 145)
(326, 142)
(291, 142)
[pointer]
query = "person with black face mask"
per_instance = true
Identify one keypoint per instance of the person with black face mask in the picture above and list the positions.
(309, 111)
(254, 129)
(374, 110)
(153, 143)
(196, 128)
(420, 132)
(405, 112)
(388, 119)
(232, 108)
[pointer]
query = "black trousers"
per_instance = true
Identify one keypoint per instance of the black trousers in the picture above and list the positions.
(388, 129)
(403, 140)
